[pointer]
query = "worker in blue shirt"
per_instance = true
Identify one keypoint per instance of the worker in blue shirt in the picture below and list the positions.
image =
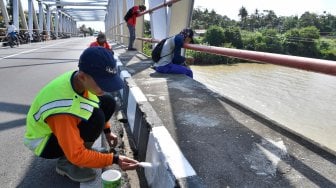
(172, 62)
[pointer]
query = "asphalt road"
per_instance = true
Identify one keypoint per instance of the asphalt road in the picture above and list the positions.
(24, 70)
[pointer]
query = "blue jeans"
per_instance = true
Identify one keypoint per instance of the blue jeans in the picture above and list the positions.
(131, 30)
(174, 69)
(13, 36)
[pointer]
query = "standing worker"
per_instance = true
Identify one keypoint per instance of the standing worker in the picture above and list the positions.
(130, 18)
(69, 114)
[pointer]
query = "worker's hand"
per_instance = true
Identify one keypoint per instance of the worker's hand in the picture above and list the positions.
(112, 139)
(126, 163)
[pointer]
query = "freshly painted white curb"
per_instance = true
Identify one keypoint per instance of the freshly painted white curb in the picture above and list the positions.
(123, 75)
(134, 97)
(178, 164)
(168, 162)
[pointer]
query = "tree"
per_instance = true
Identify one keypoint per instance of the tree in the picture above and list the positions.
(328, 23)
(271, 40)
(84, 30)
(302, 41)
(243, 15)
(91, 31)
(147, 29)
(309, 19)
(214, 36)
(232, 35)
(205, 19)
(254, 20)
(270, 19)
(289, 23)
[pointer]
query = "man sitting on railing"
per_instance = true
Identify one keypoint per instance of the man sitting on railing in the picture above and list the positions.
(11, 33)
(171, 59)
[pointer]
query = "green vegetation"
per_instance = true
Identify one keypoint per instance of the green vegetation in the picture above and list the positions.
(310, 35)
(86, 31)
(147, 46)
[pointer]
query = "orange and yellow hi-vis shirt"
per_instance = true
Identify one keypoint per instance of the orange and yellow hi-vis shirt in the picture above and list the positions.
(65, 128)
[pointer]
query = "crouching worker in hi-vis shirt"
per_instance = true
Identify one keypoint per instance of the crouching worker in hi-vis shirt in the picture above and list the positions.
(70, 113)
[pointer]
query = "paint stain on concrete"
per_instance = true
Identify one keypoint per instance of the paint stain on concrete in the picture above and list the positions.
(180, 86)
(193, 101)
(152, 97)
(265, 156)
(198, 120)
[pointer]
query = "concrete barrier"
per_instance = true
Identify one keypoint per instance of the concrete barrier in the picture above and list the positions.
(152, 141)
(196, 137)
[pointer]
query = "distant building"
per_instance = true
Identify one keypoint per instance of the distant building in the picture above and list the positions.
(199, 32)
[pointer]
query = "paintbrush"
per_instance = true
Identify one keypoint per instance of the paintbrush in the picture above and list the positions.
(146, 164)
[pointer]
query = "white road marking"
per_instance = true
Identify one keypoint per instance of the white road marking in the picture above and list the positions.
(27, 51)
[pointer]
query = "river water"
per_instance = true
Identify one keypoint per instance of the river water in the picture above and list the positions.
(299, 100)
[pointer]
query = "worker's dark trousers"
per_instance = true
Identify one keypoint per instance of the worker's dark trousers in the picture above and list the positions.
(89, 130)
(131, 30)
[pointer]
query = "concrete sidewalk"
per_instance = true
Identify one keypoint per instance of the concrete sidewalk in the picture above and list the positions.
(225, 143)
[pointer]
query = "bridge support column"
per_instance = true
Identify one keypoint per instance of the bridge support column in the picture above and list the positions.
(48, 22)
(30, 19)
(22, 17)
(16, 14)
(139, 28)
(56, 22)
(35, 22)
(4, 12)
(52, 25)
(169, 22)
(40, 20)
(120, 18)
(158, 20)
(60, 23)
(180, 18)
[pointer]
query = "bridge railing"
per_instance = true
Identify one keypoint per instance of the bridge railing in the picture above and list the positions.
(303, 63)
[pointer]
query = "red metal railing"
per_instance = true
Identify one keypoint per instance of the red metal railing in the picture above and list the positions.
(309, 64)
(169, 3)
(303, 63)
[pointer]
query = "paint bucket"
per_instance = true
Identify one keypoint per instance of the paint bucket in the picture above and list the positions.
(111, 179)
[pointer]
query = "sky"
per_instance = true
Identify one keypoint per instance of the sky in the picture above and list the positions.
(231, 8)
